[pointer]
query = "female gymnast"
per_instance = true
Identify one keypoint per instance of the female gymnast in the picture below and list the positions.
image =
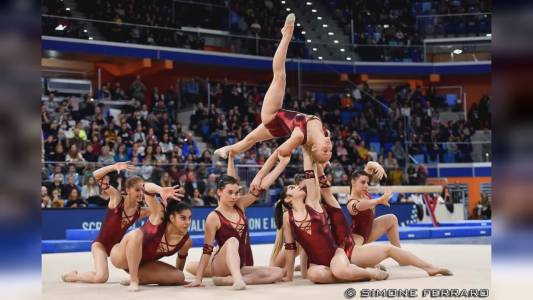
(277, 122)
(365, 228)
(369, 255)
(163, 234)
(123, 211)
(232, 264)
(305, 221)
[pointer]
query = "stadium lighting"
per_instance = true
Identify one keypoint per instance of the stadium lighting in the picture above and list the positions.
(330, 33)
(314, 10)
(68, 8)
(489, 34)
(457, 51)
(314, 49)
(325, 25)
(288, 9)
(309, 3)
(386, 26)
(282, 2)
(320, 57)
(319, 18)
(303, 32)
(60, 27)
(342, 49)
(336, 41)
(309, 41)
(348, 58)
(85, 30)
(298, 24)
(91, 38)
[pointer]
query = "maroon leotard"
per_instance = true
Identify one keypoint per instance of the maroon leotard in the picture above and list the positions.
(285, 121)
(153, 246)
(115, 225)
(239, 230)
(362, 220)
(341, 229)
(319, 245)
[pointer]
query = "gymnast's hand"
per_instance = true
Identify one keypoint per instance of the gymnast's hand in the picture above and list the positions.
(174, 192)
(126, 165)
(384, 200)
(256, 183)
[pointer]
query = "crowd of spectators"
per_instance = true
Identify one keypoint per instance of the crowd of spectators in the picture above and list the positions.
(399, 24)
(407, 22)
(80, 135)
(155, 23)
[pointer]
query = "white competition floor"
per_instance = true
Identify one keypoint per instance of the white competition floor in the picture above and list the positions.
(470, 263)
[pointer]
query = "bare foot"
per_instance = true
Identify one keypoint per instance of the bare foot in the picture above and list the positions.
(380, 267)
(133, 287)
(222, 152)
(222, 280)
(70, 276)
(436, 271)
(125, 282)
(239, 285)
(288, 28)
(377, 275)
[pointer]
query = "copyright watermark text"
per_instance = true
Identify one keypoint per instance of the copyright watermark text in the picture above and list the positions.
(350, 293)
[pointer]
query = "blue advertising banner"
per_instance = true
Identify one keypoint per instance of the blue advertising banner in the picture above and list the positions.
(260, 218)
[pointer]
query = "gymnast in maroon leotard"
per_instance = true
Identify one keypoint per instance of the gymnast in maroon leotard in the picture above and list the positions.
(123, 211)
(284, 122)
(276, 122)
(232, 264)
(163, 234)
(154, 247)
(238, 230)
(231, 228)
(321, 241)
(369, 255)
(365, 227)
(306, 222)
(116, 223)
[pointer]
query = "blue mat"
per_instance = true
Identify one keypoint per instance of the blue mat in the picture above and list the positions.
(407, 233)
(79, 240)
(60, 246)
(460, 231)
(455, 223)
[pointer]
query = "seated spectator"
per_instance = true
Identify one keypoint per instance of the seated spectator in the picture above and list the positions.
(210, 198)
(196, 198)
(166, 180)
(146, 170)
(122, 154)
(57, 184)
(106, 157)
(89, 155)
(74, 200)
(396, 176)
(72, 172)
(399, 153)
(69, 186)
(46, 201)
(90, 192)
(390, 162)
(57, 201)
(166, 145)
